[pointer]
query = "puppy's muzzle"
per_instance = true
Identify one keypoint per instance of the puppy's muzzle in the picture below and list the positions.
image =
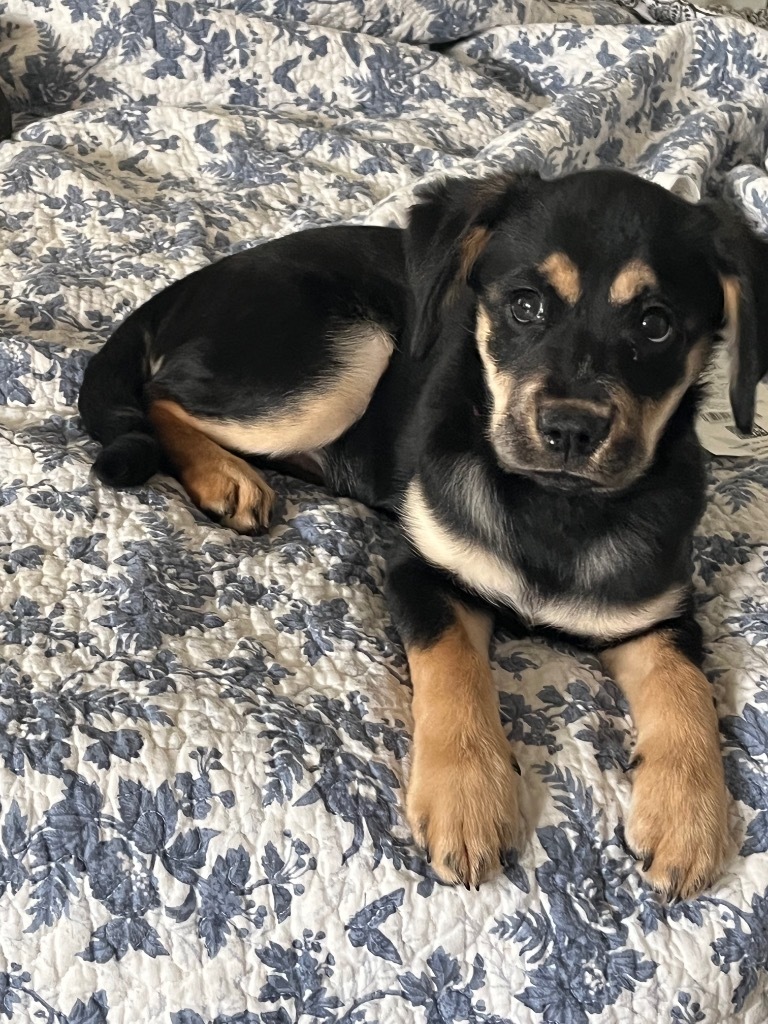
(572, 430)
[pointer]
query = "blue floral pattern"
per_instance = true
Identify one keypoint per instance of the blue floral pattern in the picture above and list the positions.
(204, 738)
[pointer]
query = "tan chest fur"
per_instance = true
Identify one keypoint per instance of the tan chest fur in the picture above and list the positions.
(502, 583)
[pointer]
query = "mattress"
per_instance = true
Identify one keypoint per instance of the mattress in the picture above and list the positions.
(204, 737)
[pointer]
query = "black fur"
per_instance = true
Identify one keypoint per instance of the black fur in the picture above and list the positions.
(249, 334)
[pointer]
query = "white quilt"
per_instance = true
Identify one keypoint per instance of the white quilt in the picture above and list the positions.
(204, 738)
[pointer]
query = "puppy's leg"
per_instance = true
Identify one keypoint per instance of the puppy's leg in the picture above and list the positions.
(678, 820)
(462, 795)
(217, 481)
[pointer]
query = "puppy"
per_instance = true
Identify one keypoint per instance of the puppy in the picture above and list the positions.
(515, 378)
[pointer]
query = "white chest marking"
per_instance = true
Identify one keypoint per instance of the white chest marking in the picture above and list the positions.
(501, 583)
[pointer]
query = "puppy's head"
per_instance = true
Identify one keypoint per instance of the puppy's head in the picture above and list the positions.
(595, 302)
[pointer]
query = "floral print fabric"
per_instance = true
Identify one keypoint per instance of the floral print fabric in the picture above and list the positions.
(204, 738)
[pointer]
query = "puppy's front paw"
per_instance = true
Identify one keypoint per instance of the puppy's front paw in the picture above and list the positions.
(678, 824)
(462, 804)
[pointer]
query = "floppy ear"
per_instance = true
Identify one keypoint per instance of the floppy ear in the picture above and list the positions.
(447, 231)
(743, 265)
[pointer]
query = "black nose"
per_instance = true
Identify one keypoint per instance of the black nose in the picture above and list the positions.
(572, 430)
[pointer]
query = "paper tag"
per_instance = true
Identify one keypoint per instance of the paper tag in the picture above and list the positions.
(715, 427)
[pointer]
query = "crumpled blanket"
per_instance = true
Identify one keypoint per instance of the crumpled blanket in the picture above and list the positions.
(204, 738)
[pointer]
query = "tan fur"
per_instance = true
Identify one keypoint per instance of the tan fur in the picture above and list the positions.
(503, 385)
(477, 237)
(472, 245)
(655, 415)
(563, 274)
(319, 416)
(631, 280)
(732, 306)
(576, 405)
(731, 301)
(462, 794)
(500, 384)
(678, 815)
(489, 189)
(634, 417)
(215, 480)
(646, 418)
(502, 583)
(483, 327)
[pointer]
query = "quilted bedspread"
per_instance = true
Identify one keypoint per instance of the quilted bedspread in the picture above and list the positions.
(204, 738)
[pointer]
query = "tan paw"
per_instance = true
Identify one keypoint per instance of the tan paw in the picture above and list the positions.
(233, 492)
(678, 823)
(462, 805)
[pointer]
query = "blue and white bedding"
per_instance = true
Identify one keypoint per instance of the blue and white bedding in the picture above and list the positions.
(204, 738)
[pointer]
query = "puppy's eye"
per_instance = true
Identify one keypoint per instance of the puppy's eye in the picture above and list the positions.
(527, 306)
(656, 325)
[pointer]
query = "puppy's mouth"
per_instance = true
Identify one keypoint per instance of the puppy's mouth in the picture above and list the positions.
(561, 479)
(617, 476)
(580, 453)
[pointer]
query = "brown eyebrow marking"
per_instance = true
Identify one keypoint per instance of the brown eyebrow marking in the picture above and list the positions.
(630, 281)
(563, 274)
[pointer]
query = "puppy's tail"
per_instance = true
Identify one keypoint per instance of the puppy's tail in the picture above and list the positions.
(112, 406)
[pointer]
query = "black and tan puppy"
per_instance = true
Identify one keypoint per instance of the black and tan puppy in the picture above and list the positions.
(514, 377)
